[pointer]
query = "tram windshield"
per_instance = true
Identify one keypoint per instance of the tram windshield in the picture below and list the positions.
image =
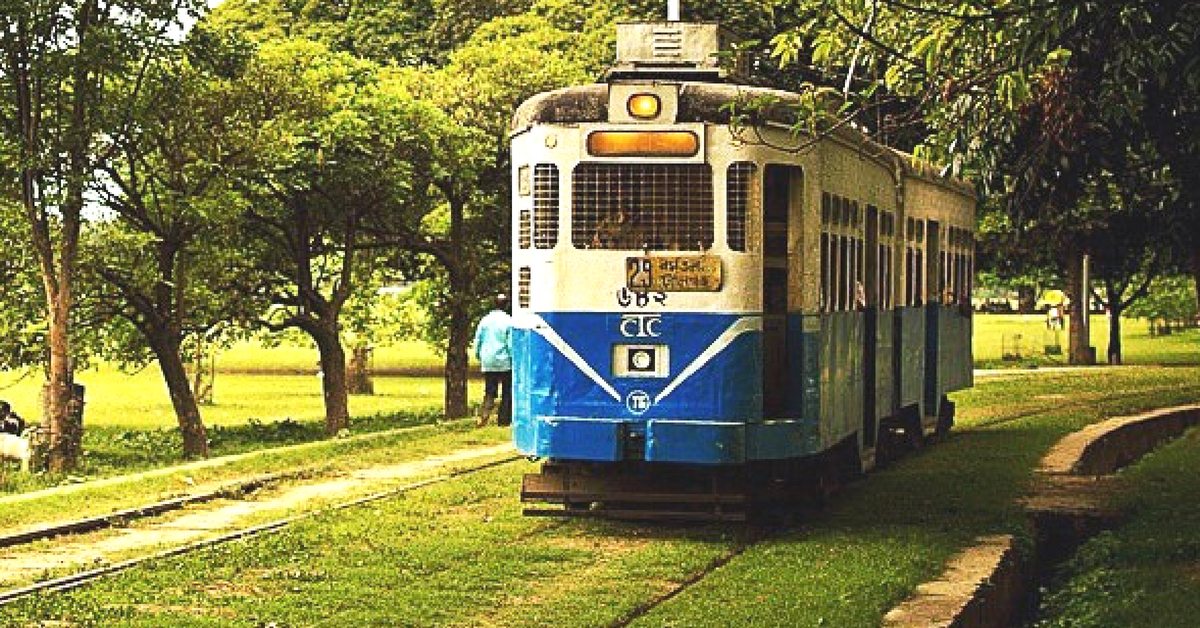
(654, 207)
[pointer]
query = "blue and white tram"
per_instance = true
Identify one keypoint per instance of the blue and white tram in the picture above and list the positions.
(701, 309)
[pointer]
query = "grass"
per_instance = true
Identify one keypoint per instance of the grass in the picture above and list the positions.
(128, 430)
(1024, 338)
(860, 559)
(1148, 568)
(326, 457)
(407, 356)
(140, 400)
(460, 554)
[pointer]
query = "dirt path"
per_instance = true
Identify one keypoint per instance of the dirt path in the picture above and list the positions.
(23, 564)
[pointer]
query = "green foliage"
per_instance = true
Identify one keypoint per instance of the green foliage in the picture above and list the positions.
(22, 299)
(1171, 299)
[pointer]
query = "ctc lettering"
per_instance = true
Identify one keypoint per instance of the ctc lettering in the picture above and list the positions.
(641, 325)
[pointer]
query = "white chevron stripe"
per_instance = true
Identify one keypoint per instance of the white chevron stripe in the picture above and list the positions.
(546, 331)
(740, 326)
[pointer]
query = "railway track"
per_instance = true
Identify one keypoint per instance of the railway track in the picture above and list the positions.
(76, 580)
(123, 517)
(757, 536)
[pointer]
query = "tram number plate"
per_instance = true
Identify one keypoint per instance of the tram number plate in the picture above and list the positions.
(673, 274)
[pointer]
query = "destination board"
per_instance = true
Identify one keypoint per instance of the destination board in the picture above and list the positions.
(673, 274)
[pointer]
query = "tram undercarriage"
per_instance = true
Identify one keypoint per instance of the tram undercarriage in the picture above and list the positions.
(638, 490)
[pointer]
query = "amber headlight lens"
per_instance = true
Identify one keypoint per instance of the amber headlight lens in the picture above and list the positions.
(643, 144)
(644, 106)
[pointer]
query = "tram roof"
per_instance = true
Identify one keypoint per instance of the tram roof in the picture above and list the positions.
(708, 103)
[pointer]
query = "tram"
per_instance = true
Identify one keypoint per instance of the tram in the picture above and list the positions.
(710, 315)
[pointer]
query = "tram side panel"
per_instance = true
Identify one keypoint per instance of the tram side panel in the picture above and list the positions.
(858, 337)
(943, 217)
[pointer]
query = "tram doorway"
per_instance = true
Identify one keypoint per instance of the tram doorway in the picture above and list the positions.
(782, 191)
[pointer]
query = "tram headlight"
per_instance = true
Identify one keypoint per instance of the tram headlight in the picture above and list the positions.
(640, 361)
(644, 106)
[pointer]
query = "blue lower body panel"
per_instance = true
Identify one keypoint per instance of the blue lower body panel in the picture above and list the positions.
(707, 409)
(666, 440)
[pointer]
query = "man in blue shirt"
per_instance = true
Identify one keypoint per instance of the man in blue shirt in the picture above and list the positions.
(493, 348)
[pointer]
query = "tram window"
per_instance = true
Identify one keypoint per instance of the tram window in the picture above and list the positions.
(885, 276)
(860, 274)
(824, 305)
(524, 280)
(739, 194)
(545, 206)
(919, 278)
(948, 295)
(908, 276)
(970, 278)
(659, 207)
(964, 285)
(844, 288)
(524, 234)
(835, 253)
(523, 180)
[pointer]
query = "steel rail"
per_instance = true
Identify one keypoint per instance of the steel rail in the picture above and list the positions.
(737, 550)
(73, 581)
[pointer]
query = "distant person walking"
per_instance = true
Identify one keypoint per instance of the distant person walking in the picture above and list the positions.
(1054, 318)
(493, 348)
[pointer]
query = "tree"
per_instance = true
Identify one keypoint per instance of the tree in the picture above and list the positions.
(344, 154)
(506, 61)
(1168, 302)
(1035, 99)
(165, 259)
(57, 59)
(405, 32)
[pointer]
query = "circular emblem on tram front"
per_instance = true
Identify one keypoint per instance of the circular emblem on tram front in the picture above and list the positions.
(638, 402)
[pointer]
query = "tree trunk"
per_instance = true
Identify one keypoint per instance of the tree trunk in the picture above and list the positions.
(1114, 330)
(333, 379)
(360, 382)
(1079, 349)
(187, 411)
(456, 354)
(65, 438)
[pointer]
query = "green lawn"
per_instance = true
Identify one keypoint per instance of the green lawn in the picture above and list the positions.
(461, 554)
(403, 356)
(130, 424)
(140, 400)
(1024, 338)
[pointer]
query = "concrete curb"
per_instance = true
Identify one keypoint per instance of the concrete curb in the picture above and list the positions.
(982, 587)
(989, 584)
(1104, 447)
